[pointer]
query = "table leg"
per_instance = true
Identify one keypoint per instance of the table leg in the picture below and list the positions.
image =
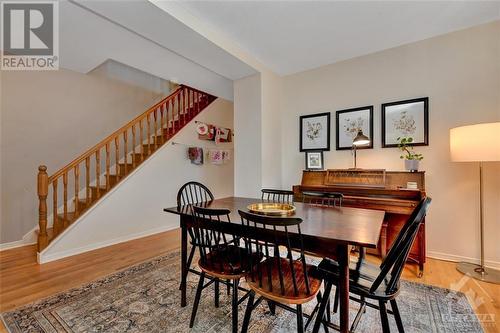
(343, 257)
(184, 268)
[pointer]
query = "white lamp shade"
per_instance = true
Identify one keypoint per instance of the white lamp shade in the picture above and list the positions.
(475, 143)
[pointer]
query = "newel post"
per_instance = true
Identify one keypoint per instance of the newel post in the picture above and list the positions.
(43, 189)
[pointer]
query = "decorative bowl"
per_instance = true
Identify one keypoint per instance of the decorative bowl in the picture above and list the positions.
(272, 209)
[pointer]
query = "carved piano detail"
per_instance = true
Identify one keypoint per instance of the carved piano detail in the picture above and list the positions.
(374, 189)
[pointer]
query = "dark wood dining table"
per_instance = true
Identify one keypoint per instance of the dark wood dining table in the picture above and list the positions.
(327, 232)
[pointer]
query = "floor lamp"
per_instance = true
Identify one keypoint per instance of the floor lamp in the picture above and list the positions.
(477, 143)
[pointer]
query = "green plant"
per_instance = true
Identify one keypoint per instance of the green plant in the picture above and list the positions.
(407, 150)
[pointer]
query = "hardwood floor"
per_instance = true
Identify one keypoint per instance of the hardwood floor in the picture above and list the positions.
(23, 281)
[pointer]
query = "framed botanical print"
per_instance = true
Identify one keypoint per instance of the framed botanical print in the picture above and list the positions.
(348, 124)
(315, 132)
(406, 119)
(314, 160)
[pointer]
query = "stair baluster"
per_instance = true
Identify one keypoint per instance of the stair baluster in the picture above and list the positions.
(77, 186)
(43, 190)
(98, 173)
(117, 157)
(65, 198)
(141, 140)
(155, 120)
(125, 148)
(133, 146)
(87, 181)
(149, 134)
(55, 222)
(108, 165)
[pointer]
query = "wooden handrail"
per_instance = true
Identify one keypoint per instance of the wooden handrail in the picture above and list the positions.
(116, 133)
(156, 126)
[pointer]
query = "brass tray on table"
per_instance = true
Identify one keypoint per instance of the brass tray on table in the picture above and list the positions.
(271, 209)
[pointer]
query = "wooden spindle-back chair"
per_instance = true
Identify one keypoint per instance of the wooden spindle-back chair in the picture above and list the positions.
(221, 257)
(277, 196)
(278, 278)
(193, 193)
(379, 283)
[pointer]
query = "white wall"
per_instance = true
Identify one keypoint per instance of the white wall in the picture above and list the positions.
(272, 100)
(460, 72)
(247, 142)
(86, 40)
(50, 117)
(135, 207)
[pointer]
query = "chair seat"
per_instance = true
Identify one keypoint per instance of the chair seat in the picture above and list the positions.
(229, 262)
(270, 287)
(361, 278)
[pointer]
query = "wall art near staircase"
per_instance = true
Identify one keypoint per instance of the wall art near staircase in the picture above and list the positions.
(213, 133)
(406, 119)
(315, 132)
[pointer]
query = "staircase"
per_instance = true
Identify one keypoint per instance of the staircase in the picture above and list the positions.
(68, 193)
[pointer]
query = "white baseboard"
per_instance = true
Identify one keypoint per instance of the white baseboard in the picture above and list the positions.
(28, 239)
(455, 258)
(44, 258)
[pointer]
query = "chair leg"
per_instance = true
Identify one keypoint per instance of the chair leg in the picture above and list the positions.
(383, 317)
(300, 319)
(272, 307)
(355, 322)
(228, 286)
(234, 305)
(248, 312)
(190, 260)
(316, 308)
(328, 312)
(322, 307)
(336, 300)
(197, 299)
(397, 316)
(216, 290)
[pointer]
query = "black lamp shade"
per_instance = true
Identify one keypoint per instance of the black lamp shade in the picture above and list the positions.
(361, 139)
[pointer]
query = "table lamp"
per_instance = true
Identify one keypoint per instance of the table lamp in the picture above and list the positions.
(359, 140)
(477, 143)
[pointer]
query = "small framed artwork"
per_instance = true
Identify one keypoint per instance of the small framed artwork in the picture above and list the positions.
(314, 160)
(315, 132)
(349, 122)
(406, 119)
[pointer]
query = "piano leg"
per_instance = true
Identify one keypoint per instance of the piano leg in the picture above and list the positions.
(420, 269)
(383, 240)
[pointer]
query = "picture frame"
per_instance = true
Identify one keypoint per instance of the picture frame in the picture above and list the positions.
(349, 122)
(315, 132)
(314, 160)
(404, 119)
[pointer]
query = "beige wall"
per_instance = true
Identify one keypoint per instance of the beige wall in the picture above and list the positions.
(247, 139)
(50, 118)
(460, 72)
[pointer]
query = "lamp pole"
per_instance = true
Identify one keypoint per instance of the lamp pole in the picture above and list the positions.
(355, 157)
(477, 143)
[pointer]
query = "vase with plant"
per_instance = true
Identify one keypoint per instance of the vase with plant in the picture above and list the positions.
(412, 159)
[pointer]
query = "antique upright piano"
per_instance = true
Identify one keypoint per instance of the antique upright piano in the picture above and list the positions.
(374, 189)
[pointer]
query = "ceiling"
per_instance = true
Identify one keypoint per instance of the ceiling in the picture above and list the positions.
(145, 20)
(89, 38)
(290, 37)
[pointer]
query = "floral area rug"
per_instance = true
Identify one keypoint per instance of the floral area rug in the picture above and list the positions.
(146, 298)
